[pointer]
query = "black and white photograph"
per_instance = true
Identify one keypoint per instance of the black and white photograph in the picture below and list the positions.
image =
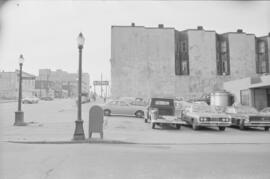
(147, 89)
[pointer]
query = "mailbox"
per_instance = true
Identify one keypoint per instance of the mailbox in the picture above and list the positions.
(96, 118)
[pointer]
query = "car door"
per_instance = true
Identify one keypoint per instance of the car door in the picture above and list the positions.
(113, 107)
(124, 108)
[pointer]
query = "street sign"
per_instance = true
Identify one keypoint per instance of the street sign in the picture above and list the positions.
(103, 83)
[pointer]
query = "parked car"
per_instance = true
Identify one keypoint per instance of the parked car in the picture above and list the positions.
(47, 98)
(30, 100)
(246, 116)
(198, 115)
(162, 111)
(118, 107)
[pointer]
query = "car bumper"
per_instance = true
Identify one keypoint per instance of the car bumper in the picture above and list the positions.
(257, 124)
(214, 124)
(162, 121)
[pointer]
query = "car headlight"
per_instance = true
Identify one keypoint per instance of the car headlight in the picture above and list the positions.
(203, 119)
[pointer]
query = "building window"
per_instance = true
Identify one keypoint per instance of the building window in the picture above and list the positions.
(223, 62)
(262, 63)
(244, 95)
(181, 57)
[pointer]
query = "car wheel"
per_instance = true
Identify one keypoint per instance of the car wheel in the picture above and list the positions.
(178, 126)
(194, 125)
(241, 125)
(107, 112)
(139, 114)
(221, 128)
(266, 128)
(153, 125)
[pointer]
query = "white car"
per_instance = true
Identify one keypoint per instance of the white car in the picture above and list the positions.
(119, 107)
(30, 100)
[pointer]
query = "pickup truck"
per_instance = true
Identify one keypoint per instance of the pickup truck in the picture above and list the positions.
(162, 111)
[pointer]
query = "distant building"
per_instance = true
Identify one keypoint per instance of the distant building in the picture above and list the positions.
(163, 61)
(9, 85)
(60, 83)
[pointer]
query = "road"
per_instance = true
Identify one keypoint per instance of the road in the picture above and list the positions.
(161, 153)
(84, 161)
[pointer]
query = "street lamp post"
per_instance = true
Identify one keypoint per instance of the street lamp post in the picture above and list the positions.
(19, 115)
(79, 132)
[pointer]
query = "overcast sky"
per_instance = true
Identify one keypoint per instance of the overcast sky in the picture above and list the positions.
(45, 32)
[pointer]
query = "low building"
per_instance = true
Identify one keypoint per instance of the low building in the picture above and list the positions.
(9, 85)
(62, 83)
(251, 91)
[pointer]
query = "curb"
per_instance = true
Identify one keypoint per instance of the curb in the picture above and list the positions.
(100, 141)
(87, 141)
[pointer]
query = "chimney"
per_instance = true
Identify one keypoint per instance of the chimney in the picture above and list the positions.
(160, 26)
(239, 30)
(133, 24)
(200, 28)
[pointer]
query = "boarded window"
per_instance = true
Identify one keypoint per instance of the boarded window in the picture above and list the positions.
(262, 63)
(223, 61)
(181, 57)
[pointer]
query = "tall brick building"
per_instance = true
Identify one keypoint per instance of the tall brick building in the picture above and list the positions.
(163, 61)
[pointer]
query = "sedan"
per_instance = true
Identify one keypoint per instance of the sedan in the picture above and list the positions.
(30, 100)
(119, 107)
(247, 116)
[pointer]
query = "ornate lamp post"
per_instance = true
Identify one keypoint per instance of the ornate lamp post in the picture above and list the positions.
(19, 115)
(79, 133)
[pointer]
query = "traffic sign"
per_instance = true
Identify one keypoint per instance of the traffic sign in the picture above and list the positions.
(103, 83)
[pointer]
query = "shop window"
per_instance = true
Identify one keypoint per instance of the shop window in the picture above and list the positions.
(244, 95)
(262, 63)
(223, 62)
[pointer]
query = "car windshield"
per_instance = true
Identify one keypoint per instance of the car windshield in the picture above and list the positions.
(266, 110)
(245, 110)
(205, 109)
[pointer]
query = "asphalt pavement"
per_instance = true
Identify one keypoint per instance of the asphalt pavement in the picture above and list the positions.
(84, 161)
(55, 121)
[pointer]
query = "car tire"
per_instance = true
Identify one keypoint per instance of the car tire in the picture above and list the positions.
(178, 126)
(241, 125)
(266, 128)
(139, 114)
(153, 125)
(194, 125)
(221, 128)
(107, 112)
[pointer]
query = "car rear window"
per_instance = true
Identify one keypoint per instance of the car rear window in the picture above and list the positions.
(162, 102)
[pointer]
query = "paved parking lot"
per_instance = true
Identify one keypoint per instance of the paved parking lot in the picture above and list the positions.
(55, 121)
